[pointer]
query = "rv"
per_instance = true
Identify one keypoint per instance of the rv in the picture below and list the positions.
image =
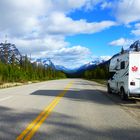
(124, 72)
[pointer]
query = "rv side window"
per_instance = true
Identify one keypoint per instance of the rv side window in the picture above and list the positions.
(123, 65)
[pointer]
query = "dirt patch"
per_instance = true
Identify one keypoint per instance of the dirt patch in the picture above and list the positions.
(7, 85)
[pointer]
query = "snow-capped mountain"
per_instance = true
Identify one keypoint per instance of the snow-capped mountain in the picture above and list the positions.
(93, 63)
(84, 67)
(97, 61)
(61, 68)
(48, 63)
(9, 53)
(44, 61)
(64, 69)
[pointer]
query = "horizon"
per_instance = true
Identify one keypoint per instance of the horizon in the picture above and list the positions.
(71, 33)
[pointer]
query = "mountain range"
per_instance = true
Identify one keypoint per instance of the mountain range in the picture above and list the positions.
(8, 52)
(48, 63)
(90, 65)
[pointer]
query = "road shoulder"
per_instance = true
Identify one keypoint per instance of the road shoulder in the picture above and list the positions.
(131, 106)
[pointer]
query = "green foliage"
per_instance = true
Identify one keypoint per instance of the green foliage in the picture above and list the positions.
(100, 72)
(26, 71)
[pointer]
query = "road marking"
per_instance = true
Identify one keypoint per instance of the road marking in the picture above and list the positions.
(6, 98)
(32, 128)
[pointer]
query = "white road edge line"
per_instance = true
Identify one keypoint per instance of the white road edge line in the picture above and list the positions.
(6, 98)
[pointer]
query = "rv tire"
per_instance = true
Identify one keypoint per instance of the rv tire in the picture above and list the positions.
(109, 89)
(123, 94)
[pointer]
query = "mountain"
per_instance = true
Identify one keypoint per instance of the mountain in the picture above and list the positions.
(44, 61)
(9, 53)
(78, 72)
(64, 69)
(84, 67)
(61, 68)
(91, 64)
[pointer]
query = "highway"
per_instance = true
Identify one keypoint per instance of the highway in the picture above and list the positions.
(68, 109)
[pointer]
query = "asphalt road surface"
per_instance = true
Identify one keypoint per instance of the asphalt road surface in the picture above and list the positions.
(70, 109)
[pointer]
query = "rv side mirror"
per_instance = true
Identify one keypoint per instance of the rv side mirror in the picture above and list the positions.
(111, 74)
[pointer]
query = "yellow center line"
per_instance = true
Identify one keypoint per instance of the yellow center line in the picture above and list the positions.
(31, 129)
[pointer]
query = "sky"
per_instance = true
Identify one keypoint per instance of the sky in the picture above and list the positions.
(70, 32)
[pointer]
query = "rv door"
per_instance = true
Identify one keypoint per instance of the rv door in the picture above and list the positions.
(113, 82)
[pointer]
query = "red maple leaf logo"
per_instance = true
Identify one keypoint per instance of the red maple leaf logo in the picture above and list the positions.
(134, 69)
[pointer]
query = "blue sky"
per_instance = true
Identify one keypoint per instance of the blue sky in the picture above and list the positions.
(98, 43)
(70, 32)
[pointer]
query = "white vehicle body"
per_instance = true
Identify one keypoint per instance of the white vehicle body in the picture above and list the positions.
(125, 73)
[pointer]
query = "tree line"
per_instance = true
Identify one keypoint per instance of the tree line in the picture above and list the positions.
(27, 71)
(99, 72)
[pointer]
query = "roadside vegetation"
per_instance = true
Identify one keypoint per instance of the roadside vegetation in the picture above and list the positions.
(100, 72)
(27, 71)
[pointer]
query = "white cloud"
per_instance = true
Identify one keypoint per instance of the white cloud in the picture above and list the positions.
(50, 43)
(127, 11)
(106, 5)
(58, 23)
(105, 58)
(100, 58)
(121, 42)
(21, 18)
(54, 47)
(70, 57)
(69, 5)
(39, 27)
(74, 56)
(136, 31)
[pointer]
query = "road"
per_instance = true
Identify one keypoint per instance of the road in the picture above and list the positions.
(69, 109)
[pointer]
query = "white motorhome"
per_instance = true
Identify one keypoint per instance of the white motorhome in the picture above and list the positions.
(125, 73)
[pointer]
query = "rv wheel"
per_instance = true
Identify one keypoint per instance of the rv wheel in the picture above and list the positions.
(109, 89)
(123, 95)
